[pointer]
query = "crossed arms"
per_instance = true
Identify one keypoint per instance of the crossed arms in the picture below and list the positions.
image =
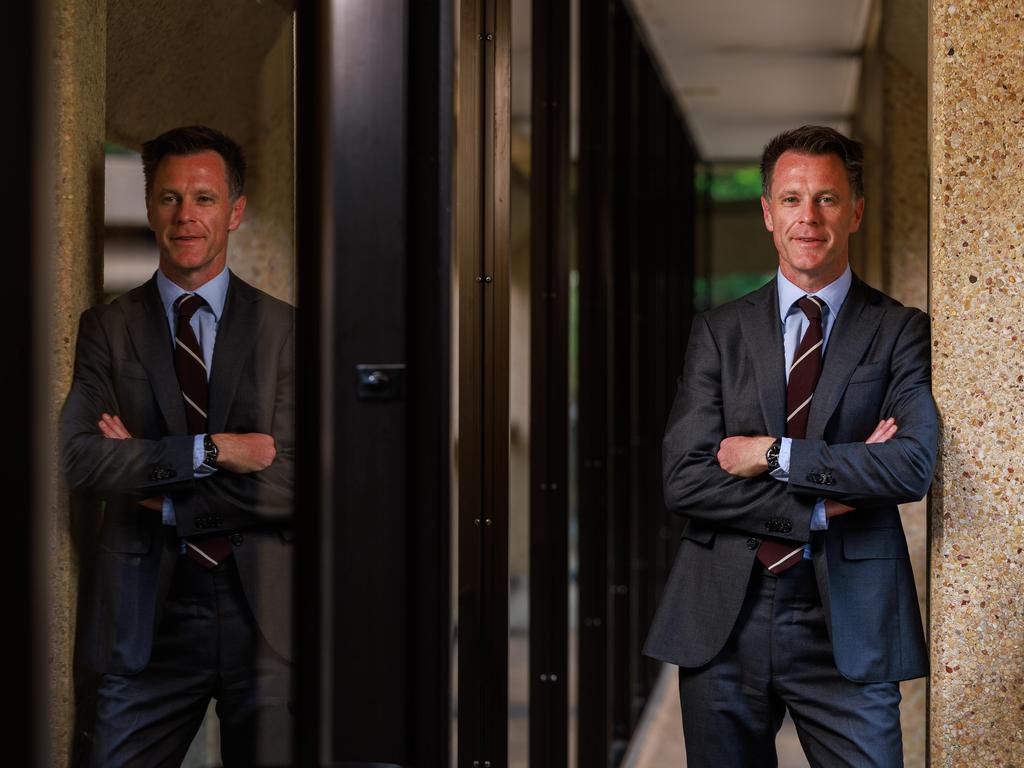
(721, 478)
(253, 484)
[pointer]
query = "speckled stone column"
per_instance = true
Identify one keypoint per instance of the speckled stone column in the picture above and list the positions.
(977, 279)
(78, 61)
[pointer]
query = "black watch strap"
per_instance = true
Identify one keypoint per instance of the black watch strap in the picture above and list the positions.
(772, 454)
(210, 452)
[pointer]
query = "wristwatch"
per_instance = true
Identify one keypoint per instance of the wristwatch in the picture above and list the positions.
(211, 452)
(772, 454)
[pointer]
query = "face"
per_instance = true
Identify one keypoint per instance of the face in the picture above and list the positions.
(811, 214)
(191, 213)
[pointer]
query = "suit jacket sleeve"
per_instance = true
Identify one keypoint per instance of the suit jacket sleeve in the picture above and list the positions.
(894, 472)
(254, 498)
(695, 485)
(94, 463)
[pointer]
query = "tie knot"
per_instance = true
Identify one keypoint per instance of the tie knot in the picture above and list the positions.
(811, 306)
(188, 304)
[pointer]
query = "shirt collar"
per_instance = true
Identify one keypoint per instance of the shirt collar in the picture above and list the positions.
(833, 294)
(214, 291)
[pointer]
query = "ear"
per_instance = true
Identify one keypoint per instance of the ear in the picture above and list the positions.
(237, 209)
(769, 224)
(858, 214)
(149, 212)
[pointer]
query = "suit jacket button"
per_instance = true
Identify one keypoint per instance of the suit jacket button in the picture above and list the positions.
(237, 539)
(161, 473)
(814, 477)
(786, 526)
(752, 543)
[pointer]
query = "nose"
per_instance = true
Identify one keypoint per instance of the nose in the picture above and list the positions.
(808, 212)
(185, 211)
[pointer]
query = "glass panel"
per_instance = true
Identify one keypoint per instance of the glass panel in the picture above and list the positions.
(519, 392)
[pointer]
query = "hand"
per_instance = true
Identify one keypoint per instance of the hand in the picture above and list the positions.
(886, 428)
(744, 456)
(113, 428)
(243, 453)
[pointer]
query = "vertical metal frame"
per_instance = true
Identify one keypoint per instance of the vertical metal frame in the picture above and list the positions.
(627, 175)
(312, 46)
(373, 191)
(549, 385)
(482, 265)
(594, 227)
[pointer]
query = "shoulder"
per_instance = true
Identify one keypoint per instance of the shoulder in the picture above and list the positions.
(269, 309)
(729, 314)
(895, 313)
(117, 309)
(251, 293)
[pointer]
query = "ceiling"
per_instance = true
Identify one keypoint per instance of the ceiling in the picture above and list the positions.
(745, 70)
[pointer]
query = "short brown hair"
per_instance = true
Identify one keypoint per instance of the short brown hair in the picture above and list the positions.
(191, 140)
(815, 140)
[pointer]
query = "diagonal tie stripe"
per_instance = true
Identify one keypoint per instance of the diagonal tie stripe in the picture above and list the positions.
(185, 349)
(207, 551)
(188, 362)
(804, 373)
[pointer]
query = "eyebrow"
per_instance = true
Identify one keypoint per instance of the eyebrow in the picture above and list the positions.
(174, 191)
(827, 191)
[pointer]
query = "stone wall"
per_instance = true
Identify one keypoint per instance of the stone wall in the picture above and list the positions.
(977, 283)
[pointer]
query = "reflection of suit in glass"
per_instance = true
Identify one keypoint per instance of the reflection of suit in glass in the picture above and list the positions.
(876, 365)
(124, 366)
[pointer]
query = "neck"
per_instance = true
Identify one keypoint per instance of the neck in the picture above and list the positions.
(810, 282)
(190, 281)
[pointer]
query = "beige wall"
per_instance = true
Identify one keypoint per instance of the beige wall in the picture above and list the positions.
(77, 39)
(977, 277)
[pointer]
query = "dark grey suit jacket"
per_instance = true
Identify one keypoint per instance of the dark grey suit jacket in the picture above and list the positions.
(124, 366)
(877, 365)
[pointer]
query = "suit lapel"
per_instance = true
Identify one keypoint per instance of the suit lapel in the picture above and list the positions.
(762, 333)
(148, 329)
(236, 335)
(853, 331)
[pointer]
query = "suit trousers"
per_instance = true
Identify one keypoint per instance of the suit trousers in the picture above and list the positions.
(207, 646)
(779, 657)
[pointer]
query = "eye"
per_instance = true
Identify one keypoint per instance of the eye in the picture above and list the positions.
(206, 199)
(827, 200)
(168, 199)
(789, 199)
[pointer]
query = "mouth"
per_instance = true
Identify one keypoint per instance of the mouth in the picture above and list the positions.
(185, 238)
(809, 240)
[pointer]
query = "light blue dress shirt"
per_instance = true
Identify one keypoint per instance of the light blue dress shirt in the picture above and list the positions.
(204, 324)
(794, 324)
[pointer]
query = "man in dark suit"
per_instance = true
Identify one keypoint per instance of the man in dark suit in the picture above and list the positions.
(803, 417)
(180, 416)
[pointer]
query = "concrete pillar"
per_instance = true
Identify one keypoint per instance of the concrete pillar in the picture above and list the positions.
(977, 281)
(78, 62)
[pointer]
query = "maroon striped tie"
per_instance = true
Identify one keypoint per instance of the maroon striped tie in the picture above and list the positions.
(777, 556)
(208, 551)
